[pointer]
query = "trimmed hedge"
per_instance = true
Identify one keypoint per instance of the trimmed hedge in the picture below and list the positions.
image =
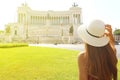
(10, 45)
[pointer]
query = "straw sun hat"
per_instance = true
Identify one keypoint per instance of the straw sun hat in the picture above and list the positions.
(93, 34)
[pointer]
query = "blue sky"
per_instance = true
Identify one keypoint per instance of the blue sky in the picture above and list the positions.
(106, 10)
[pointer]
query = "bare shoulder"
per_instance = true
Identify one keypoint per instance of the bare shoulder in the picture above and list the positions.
(81, 56)
(82, 66)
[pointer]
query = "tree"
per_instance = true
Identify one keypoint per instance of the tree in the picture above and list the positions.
(7, 29)
(71, 30)
(116, 32)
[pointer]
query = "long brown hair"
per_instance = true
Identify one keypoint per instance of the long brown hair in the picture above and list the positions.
(101, 62)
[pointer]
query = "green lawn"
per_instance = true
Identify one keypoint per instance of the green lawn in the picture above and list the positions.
(38, 63)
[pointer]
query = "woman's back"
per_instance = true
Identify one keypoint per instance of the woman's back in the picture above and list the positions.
(101, 62)
(84, 75)
(98, 63)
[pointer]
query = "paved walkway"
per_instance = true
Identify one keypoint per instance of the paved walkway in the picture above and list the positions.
(65, 46)
(72, 47)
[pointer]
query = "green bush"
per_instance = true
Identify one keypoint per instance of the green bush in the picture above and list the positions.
(10, 45)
